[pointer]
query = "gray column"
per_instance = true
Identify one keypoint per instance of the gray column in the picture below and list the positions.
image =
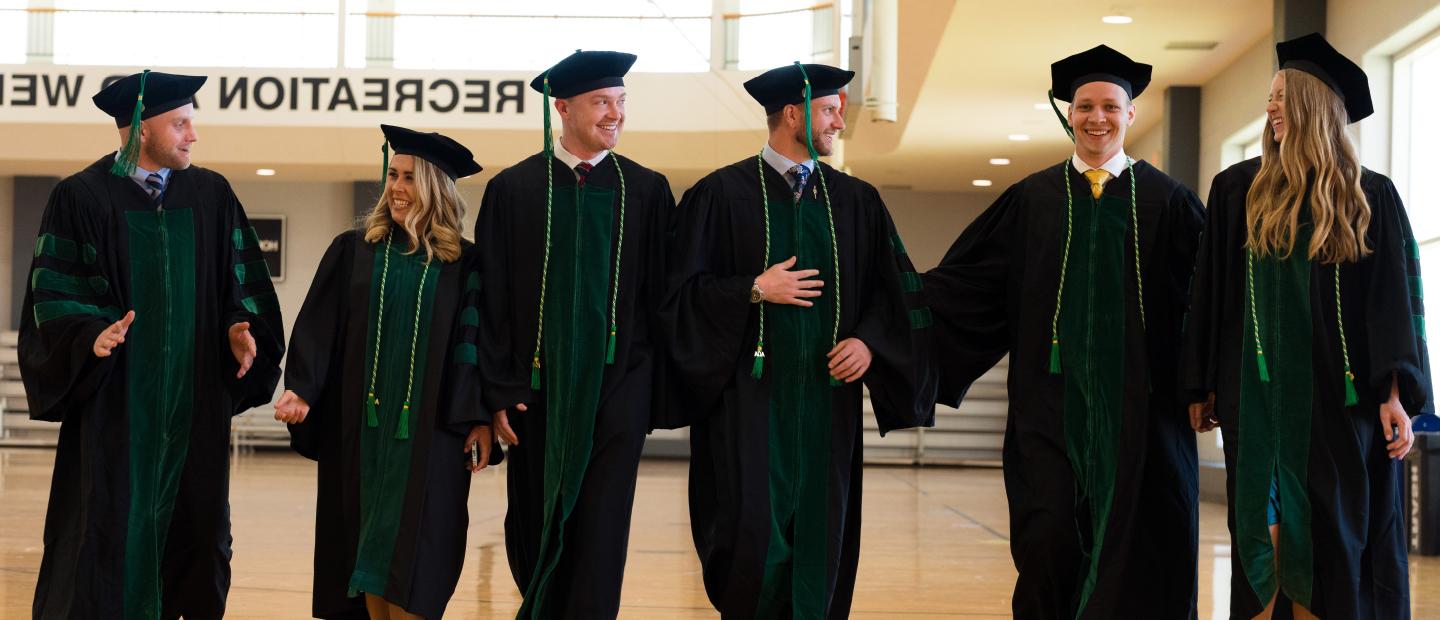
(1181, 137)
(31, 195)
(1295, 18)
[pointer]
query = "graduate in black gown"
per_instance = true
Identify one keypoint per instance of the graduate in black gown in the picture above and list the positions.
(1079, 273)
(149, 321)
(572, 253)
(1305, 344)
(774, 365)
(383, 390)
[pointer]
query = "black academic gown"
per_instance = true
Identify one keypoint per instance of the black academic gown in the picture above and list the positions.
(138, 523)
(330, 366)
(1337, 481)
(571, 479)
(1099, 459)
(737, 451)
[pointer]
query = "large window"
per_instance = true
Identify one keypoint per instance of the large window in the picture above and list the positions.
(1416, 158)
(777, 32)
(667, 35)
(13, 25)
(197, 33)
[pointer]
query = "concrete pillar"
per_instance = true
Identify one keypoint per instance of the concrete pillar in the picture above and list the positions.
(1181, 135)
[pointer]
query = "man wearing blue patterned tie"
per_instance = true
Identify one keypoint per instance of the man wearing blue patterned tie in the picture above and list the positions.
(148, 322)
(788, 289)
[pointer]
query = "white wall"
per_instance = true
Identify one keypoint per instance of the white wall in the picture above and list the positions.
(930, 221)
(1232, 100)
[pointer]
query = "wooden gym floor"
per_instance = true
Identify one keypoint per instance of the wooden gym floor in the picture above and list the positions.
(934, 545)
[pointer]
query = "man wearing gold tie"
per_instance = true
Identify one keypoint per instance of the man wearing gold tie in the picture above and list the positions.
(1100, 468)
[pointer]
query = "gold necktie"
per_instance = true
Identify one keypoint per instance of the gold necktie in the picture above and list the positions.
(1097, 178)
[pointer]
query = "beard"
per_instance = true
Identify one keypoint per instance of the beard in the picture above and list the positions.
(166, 158)
(822, 147)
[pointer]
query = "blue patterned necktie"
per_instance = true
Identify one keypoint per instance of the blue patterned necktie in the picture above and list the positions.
(801, 174)
(157, 187)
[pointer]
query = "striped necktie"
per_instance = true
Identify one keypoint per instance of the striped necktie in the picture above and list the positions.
(582, 172)
(156, 187)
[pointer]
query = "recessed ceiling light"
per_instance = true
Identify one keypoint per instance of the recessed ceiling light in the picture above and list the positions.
(265, 172)
(999, 161)
(1019, 137)
(1116, 19)
(981, 183)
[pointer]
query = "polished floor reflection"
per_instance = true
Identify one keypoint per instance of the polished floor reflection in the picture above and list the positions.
(934, 546)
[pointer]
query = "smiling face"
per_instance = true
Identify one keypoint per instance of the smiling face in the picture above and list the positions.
(1275, 109)
(828, 121)
(400, 187)
(165, 139)
(1100, 113)
(592, 121)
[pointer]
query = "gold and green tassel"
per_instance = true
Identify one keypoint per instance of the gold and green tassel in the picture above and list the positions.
(372, 419)
(1351, 398)
(402, 430)
(1054, 356)
(1260, 365)
(610, 347)
(757, 369)
(125, 162)
(535, 373)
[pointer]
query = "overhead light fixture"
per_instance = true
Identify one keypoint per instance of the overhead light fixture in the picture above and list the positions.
(981, 183)
(1019, 137)
(999, 161)
(1116, 19)
(265, 172)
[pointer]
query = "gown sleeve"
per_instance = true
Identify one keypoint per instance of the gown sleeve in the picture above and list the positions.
(897, 328)
(1183, 241)
(466, 407)
(1395, 306)
(706, 308)
(69, 300)
(249, 296)
(504, 383)
(668, 408)
(968, 295)
(315, 345)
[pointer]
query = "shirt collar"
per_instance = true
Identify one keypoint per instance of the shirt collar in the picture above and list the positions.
(141, 174)
(781, 163)
(1115, 166)
(572, 160)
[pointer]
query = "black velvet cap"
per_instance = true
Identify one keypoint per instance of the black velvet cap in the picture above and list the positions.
(784, 86)
(583, 72)
(1314, 55)
(163, 92)
(448, 155)
(1098, 64)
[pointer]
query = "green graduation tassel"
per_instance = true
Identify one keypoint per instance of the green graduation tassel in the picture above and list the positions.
(836, 382)
(1260, 364)
(758, 368)
(371, 418)
(1351, 398)
(610, 348)
(384, 164)
(535, 373)
(1054, 357)
(403, 430)
(124, 165)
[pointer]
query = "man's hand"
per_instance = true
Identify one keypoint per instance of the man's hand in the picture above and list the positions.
(242, 346)
(849, 360)
(479, 437)
(113, 335)
(502, 425)
(1202, 415)
(782, 286)
(291, 409)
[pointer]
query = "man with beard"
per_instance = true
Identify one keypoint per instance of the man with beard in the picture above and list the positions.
(1100, 469)
(149, 321)
(571, 247)
(789, 289)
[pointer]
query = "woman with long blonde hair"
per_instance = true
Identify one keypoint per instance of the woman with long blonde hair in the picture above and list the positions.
(382, 389)
(1305, 346)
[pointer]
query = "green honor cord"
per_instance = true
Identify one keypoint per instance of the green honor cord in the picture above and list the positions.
(372, 402)
(549, 151)
(1065, 260)
(1351, 397)
(758, 367)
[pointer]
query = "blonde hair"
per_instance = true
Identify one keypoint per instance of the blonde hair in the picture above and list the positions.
(435, 213)
(1315, 144)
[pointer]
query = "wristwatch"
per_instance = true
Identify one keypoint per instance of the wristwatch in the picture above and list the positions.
(756, 295)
